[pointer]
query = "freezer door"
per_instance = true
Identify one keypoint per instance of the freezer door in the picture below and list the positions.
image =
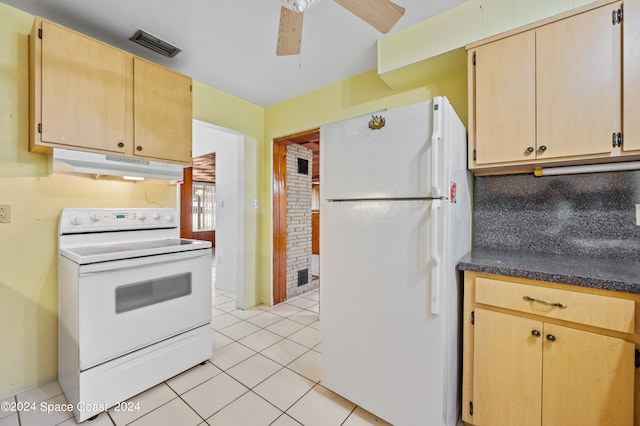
(392, 162)
(383, 349)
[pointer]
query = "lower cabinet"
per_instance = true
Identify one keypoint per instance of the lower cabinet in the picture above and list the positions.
(527, 372)
(532, 369)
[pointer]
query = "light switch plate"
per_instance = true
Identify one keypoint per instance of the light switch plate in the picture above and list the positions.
(5, 213)
(637, 214)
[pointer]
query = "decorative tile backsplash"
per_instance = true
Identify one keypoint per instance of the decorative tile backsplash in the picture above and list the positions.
(585, 215)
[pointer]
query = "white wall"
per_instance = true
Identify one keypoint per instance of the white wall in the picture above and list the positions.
(230, 183)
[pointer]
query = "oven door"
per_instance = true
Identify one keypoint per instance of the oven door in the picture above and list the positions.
(126, 305)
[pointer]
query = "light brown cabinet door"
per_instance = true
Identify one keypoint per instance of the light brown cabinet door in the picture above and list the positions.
(505, 100)
(631, 76)
(588, 378)
(507, 370)
(83, 91)
(578, 74)
(162, 110)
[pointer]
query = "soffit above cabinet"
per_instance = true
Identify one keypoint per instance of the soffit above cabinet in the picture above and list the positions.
(428, 48)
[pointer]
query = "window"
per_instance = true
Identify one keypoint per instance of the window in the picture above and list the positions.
(204, 206)
(315, 197)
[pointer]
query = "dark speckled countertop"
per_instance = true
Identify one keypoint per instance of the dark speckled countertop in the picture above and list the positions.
(595, 272)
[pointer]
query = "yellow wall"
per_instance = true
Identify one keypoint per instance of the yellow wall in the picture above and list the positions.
(354, 96)
(216, 107)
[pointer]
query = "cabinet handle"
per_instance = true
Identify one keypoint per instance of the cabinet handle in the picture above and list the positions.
(551, 338)
(535, 333)
(120, 144)
(544, 302)
(543, 148)
(530, 150)
(138, 148)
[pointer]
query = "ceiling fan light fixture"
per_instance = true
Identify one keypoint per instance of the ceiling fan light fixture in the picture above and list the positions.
(299, 5)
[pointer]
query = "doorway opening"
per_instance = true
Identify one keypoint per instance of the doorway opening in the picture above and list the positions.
(296, 214)
(212, 203)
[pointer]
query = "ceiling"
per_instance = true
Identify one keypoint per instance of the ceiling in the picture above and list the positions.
(230, 44)
(204, 168)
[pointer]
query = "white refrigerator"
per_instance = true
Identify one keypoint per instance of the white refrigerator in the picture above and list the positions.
(395, 219)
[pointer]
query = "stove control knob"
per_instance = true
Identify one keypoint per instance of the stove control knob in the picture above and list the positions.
(94, 217)
(142, 216)
(77, 220)
(169, 218)
(155, 216)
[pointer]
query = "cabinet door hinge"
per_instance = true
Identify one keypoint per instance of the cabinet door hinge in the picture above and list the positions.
(474, 59)
(616, 16)
(617, 139)
(473, 317)
(39, 127)
(39, 32)
(637, 358)
(471, 408)
(191, 87)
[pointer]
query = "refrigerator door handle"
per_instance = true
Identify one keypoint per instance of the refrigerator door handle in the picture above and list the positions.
(435, 163)
(435, 260)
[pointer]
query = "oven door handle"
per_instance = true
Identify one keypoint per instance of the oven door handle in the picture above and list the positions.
(136, 262)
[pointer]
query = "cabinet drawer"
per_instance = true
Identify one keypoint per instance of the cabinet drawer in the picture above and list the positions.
(590, 309)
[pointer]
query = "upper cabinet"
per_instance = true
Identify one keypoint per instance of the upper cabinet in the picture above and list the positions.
(631, 77)
(87, 95)
(505, 100)
(162, 111)
(79, 91)
(578, 84)
(549, 93)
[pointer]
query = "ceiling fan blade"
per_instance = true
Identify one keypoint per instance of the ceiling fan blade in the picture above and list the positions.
(289, 32)
(380, 14)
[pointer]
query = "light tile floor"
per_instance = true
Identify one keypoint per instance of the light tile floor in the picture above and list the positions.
(265, 370)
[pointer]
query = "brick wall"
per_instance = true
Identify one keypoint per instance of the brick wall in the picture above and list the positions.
(298, 221)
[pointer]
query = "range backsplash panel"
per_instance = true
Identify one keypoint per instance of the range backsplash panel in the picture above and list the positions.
(582, 215)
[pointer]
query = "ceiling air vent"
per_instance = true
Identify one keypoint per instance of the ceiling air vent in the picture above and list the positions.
(154, 43)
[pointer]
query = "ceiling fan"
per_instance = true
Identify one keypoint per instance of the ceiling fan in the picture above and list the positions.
(380, 14)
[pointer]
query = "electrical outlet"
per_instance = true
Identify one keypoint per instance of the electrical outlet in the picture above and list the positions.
(637, 214)
(5, 213)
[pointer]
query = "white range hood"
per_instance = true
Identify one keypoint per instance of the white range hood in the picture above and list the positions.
(64, 161)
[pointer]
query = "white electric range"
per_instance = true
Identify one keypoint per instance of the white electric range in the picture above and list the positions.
(134, 304)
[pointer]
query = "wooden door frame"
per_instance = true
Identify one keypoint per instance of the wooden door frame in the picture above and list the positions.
(279, 222)
(280, 209)
(186, 201)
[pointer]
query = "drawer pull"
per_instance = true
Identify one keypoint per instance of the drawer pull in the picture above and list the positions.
(544, 302)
